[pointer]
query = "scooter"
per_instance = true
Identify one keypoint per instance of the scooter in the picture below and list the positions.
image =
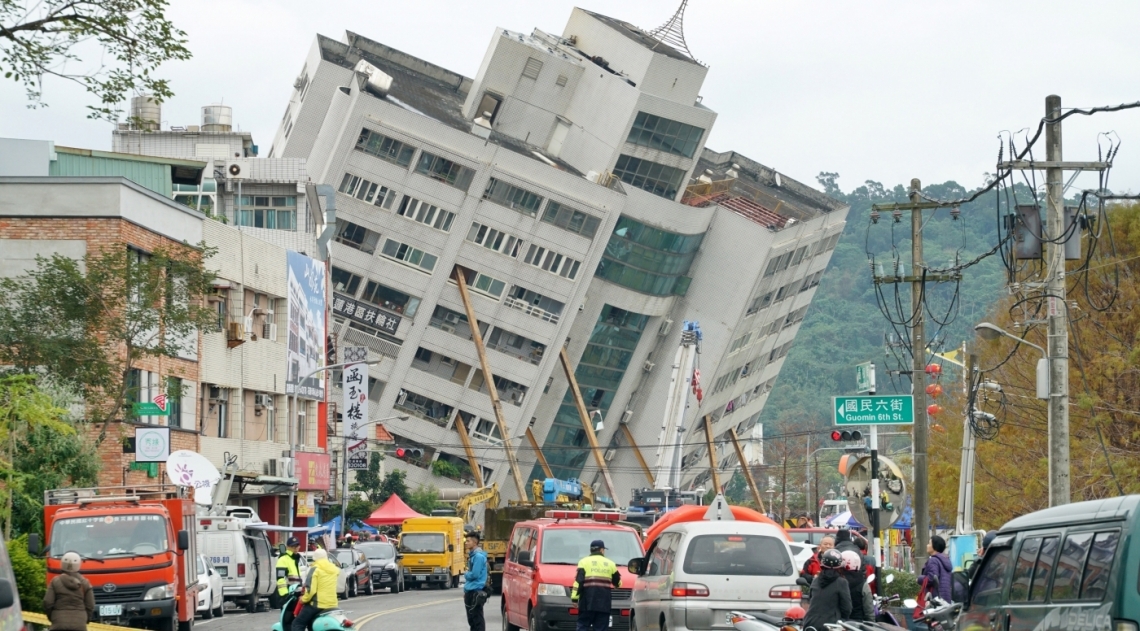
(331, 620)
(941, 615)
(792, 620)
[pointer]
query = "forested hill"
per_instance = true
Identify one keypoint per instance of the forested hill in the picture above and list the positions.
(845, 325)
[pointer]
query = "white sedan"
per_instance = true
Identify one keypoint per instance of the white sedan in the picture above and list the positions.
(801, 552)
(341, 578)
(210, 598)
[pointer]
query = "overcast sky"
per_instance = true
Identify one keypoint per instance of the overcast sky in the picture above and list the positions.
(873, 90)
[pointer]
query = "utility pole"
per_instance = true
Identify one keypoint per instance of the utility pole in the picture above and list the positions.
(918, 383)
(1057, 318)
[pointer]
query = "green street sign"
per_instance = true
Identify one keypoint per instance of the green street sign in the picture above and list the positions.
(865, 377)
(893, 409)
(146, 408)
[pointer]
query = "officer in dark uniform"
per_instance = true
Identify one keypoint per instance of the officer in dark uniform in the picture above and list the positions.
(593, 586)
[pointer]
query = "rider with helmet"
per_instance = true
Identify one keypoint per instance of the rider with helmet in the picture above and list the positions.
(830, 594)
(862, 607)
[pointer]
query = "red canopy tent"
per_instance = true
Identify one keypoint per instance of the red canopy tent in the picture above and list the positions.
(391, 513)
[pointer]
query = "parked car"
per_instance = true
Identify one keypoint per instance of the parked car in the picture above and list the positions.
(801, 552)
(359, 571)
(696, 574)
(242, 556)
(385, 565)
(341, 579)
(1063, 567)
(211, 600)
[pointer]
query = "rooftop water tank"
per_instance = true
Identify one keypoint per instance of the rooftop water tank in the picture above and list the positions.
(146, 113)
(217, 118)
(379, 82)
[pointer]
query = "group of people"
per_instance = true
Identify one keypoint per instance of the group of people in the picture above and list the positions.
(838, 573)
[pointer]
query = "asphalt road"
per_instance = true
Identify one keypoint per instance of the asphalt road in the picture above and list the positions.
(421, 610)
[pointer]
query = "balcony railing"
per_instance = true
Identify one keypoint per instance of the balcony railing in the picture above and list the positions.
(382, 346)
(532, 310)
(534, 355)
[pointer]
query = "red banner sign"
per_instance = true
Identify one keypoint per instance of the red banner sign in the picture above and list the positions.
(312, 471)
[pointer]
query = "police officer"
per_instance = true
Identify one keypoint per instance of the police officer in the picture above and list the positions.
(288, 566)
(597, 577)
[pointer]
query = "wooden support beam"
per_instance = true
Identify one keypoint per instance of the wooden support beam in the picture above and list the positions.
(538, 452)
(746, 470)
(637, 453)
(476, 471)
(712, 452)
(599, 457)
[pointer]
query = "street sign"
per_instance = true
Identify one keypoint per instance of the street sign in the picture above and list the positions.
(865, 378)
(893, 409)
(358, 455)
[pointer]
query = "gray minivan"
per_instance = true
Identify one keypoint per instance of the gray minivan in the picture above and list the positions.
(11, 618)
(697, 573)
(1066, 568)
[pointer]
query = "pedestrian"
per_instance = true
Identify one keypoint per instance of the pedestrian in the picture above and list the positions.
(861, 607)
(320, 594)
(475, 581)
(843, 541)
(69, 601)
(594, 583)
(830, 594)
(938, 569)
(977, 560)
(811, 566)
(868, 562)
(288, 566)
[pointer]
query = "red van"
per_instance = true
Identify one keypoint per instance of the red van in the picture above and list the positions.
(542, 559)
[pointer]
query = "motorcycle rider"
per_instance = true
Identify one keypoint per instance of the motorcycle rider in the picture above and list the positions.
(321, 593)
(830, 594)
(811, 566)
(862, 607)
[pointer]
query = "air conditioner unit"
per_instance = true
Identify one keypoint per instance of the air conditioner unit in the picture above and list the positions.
(218, 393)
(648, 366)
(298, 82)
(238, 169)
(451, 318)
(402, 397)
(263, 400)
(666, 326)
(283, 467)
(269, 331)
(610, 453)
(235, 331)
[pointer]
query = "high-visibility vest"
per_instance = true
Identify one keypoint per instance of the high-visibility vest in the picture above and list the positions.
(599, 573)
(289, 564)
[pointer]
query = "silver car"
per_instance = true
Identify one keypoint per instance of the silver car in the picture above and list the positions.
(697, 573)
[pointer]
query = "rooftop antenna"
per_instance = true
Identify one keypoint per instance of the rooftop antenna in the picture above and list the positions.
(672, 32)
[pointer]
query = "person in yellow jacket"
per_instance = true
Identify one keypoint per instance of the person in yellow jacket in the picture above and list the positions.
(321, 592)
(288, 566)
(594, 583)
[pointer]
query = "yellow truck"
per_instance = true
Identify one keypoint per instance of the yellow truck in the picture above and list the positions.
(433, 551)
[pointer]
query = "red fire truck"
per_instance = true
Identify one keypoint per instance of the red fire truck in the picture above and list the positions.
(138, 550)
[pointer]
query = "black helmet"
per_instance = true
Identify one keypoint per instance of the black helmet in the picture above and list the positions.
(478, 536)
(831, 559)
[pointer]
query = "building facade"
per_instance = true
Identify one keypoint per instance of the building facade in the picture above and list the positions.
(569, 183)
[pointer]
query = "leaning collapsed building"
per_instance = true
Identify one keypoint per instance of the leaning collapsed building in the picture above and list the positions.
(570, 182)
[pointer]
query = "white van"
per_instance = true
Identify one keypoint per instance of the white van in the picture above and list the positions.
(697, 573)
(241, 556)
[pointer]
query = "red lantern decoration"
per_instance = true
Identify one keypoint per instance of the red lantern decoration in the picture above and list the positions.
(933, 369)
(934, 390)
(934, 409)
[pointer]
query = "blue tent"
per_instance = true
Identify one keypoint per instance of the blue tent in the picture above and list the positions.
(333, 526)
(845, 519)
(906, 520)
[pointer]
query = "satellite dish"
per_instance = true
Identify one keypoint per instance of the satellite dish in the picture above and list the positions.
(892, 487)
(192, 469)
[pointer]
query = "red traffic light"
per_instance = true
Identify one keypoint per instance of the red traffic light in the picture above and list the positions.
(401, 452)
(836, 435)
(846, 435)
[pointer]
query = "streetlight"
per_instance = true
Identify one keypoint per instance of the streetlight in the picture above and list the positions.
(344, 470)
(293, 412)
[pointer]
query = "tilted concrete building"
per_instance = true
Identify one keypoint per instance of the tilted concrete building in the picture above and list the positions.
(570, 181)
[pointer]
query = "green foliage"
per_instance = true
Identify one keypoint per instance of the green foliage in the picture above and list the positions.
(127, 41)
(905, 584)
(446, 469)
(85, 324)
(369, 480)
(40, 448)
(423, 500)
(395, 483)
(845, 326)
(31, 574)
(359, 509)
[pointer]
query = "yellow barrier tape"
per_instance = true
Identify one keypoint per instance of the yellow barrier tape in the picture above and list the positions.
(42, 620)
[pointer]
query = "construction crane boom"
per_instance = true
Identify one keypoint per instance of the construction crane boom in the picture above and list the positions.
(488, 495)
(681, 381)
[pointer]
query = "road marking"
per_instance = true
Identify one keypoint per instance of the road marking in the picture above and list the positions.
(372, 616)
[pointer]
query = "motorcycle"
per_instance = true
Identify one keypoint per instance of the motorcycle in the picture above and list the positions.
(331, 620)
(941, 615)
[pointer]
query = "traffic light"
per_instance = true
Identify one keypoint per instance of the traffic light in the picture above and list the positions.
(409, 453)
(330, 350)
(846, 435)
